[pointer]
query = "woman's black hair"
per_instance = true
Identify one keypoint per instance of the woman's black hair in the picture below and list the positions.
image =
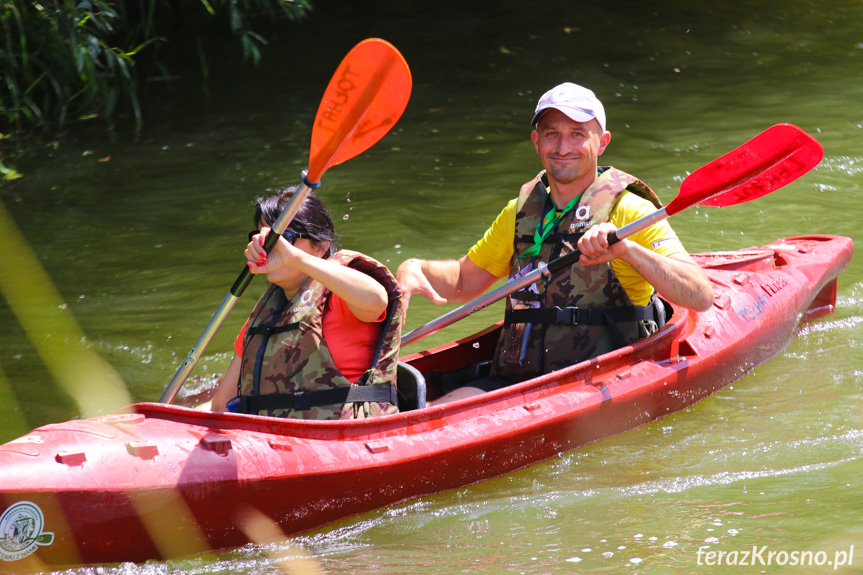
(312, 218)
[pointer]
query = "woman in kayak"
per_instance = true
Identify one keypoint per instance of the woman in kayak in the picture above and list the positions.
(322, 341)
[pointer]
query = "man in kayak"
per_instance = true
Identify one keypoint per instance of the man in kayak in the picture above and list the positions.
(605, 302)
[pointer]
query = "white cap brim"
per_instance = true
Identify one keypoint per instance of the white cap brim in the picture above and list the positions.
(575, 114)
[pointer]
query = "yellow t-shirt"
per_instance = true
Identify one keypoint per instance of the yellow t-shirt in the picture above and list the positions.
(494, 251)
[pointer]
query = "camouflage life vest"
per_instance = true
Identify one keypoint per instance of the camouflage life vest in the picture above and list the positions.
(580, 312)
(287, 369)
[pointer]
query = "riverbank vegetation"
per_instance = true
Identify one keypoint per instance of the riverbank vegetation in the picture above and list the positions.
(67, 60)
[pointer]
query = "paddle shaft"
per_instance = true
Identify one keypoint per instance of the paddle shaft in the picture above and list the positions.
(240, 285)
(541, 273)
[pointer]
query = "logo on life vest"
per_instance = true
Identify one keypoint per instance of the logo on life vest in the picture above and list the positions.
(21, 531)
(305, 300)
(582, 214)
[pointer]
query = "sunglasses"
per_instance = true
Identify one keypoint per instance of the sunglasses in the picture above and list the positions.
(289, 235)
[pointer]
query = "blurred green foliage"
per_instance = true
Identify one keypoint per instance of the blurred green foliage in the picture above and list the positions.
(62, 60)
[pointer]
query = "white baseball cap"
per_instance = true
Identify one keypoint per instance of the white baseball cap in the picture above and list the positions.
(577, 102)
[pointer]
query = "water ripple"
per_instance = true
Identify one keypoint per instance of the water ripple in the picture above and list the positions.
(847, 164)
(849, 442)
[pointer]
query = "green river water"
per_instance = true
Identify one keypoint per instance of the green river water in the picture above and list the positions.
(142, 240)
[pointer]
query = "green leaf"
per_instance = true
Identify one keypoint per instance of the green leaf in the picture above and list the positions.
(9, 173)
(208, 7)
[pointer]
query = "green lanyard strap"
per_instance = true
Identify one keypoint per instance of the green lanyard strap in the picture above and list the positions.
(548, 223)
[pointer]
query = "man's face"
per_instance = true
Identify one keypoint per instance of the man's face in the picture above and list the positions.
(568, 150)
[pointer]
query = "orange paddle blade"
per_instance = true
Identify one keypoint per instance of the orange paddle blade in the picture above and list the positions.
(363, 101)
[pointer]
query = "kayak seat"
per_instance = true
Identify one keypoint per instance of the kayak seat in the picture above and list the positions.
(468, 381)
(411, 387)
(452, 380)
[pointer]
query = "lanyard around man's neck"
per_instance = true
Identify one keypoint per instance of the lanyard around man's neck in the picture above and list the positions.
(548, 223)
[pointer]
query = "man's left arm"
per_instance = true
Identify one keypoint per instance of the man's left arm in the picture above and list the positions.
(676, 277)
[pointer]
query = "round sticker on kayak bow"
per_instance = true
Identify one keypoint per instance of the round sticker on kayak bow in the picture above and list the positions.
(21, 531)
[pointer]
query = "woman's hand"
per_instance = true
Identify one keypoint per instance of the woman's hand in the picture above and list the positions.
(365, 297)
(283, 254)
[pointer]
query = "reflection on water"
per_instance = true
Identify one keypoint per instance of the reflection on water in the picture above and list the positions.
(143, 241)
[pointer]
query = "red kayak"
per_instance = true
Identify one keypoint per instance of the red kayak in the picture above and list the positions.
(159, 480)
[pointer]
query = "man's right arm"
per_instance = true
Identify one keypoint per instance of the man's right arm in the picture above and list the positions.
(443, 281)
(462, 280)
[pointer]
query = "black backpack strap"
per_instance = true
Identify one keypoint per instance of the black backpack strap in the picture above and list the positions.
(579, 316)
(303, 400)
(268, 331)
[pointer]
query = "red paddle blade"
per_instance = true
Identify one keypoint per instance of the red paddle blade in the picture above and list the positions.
(363, 101)
(775, 157)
